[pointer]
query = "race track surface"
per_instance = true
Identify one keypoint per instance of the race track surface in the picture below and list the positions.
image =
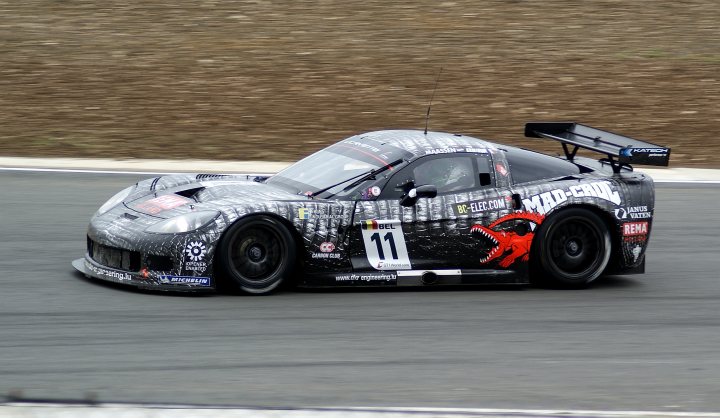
(649, 342)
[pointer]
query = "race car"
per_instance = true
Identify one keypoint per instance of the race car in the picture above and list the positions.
(389, 208)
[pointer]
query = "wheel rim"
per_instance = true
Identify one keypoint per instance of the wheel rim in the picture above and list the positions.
(576, 247)
(256, 254)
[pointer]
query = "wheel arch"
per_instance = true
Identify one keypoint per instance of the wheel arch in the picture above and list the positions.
(609, 222)
(292, 230)
(603, 214)
(284, 221)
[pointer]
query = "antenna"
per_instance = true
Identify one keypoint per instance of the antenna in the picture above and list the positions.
(427, 116)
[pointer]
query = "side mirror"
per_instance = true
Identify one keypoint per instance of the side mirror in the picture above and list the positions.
(412, 196)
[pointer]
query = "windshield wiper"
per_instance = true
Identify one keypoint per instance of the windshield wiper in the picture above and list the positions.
(358, 179)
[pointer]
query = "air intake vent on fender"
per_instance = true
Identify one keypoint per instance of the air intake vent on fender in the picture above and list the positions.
(210, 176)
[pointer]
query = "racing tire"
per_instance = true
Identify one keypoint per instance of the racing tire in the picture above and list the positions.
(572, 248)
(257, 255)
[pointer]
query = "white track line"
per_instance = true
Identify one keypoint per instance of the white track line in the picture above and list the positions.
(152, 173)
(186, 411)
(546, 412)
(159, 167)
(70, 170)
(135, 166)
(671, 176)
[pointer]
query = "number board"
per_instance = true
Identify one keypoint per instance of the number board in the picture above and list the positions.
(385, 244)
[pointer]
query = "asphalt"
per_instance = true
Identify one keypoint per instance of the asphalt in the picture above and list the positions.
(646, 342)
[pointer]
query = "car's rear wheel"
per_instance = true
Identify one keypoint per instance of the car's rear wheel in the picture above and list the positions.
(572, 248)
(257, 254)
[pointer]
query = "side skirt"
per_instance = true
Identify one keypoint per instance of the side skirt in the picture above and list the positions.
(402, 278)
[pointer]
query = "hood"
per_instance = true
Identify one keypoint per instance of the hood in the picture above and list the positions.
(168, 196)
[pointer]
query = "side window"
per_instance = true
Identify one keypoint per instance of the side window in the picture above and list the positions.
(486, 175)
(527, 166)
(449, 174)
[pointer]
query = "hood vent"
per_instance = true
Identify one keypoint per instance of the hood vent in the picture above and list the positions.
(190, 193)
(200, 177)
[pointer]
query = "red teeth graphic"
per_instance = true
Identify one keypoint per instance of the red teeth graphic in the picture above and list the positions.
(508, 246)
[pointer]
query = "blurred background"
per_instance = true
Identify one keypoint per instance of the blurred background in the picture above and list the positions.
(276, 80)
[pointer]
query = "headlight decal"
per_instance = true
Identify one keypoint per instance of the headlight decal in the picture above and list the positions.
(184, 223)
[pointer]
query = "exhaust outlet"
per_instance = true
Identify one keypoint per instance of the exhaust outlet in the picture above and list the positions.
(428, 278)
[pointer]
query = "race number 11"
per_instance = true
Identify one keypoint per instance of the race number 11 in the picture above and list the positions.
(389, 238)
(385, 245)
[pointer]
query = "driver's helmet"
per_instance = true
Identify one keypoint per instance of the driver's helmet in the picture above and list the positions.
(442, 171)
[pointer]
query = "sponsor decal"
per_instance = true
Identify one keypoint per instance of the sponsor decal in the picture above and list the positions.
(367, 277)
(652, 152)
(107, 273)
(370, 193)
(187, 280)
(636, 252)
(500, 168)
(385, 244)
(326, 256)
(442, 151)
(650, 155)
(326, 251)
(450, 150)
(308, 213)
(635, 239)
(632, 229)
(362, 145)
(633, 212)
(391, 265)
(195, 256)
(481, 206)
(508, 245)
(373, 224)
(379, 148)
(195, 251)
(159, 204)
(543, 203)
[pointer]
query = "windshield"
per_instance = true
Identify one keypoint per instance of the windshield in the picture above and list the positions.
(345, 160)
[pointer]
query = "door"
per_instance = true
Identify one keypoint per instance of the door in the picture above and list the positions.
(435, 233)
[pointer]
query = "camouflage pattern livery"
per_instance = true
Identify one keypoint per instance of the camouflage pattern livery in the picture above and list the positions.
(481, 233)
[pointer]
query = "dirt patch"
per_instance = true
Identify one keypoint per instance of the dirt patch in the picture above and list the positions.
(272, 80)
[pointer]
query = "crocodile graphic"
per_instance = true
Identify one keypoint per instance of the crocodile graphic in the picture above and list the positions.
(508, 245)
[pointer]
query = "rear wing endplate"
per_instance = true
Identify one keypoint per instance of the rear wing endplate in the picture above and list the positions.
(620, 150)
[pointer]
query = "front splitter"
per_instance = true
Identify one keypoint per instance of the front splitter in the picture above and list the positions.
(93, 270)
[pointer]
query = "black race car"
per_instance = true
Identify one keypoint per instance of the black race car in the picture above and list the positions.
(389, 208)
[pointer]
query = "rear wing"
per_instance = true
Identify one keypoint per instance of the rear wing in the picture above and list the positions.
(620, 150)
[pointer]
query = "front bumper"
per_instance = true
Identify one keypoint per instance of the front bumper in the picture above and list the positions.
(142, 279)
(119, 250)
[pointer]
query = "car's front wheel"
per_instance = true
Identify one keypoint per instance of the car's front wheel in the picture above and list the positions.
(257, 254)
(572, 248)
